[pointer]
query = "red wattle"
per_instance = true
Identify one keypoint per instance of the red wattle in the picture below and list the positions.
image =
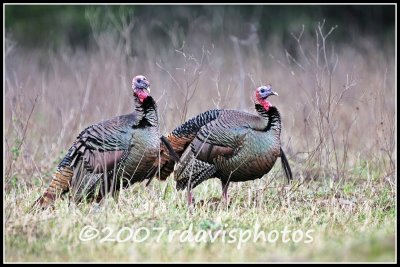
(263, 102)
(142, 95)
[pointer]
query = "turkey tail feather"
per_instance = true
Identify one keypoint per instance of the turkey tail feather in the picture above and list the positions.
(58, 185)
(151, 173)
(286, 167)
(170, 149)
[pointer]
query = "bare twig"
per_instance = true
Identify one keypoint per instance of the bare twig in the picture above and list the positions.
(21, 140)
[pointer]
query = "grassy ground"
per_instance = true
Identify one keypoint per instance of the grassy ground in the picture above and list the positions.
(348, 221)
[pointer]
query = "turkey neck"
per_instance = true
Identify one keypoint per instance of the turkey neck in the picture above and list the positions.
(271, 117)
(146, 111)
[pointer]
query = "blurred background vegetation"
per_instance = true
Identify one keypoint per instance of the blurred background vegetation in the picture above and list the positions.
(51, 25)
(228, 47)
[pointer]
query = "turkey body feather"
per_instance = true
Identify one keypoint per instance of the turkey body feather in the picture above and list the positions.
(239, 149)
(111, 154)
(230, 145)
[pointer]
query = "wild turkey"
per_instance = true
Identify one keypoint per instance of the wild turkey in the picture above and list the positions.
(227, 144)
(114, 153)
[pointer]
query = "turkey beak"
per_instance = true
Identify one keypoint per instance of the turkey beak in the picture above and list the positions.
(147, 85)
(274, 93)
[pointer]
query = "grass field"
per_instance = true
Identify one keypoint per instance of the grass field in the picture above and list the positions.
(351, 222)
(339, 123)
